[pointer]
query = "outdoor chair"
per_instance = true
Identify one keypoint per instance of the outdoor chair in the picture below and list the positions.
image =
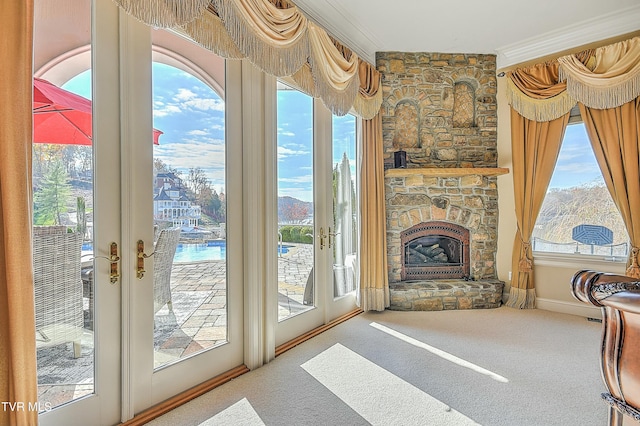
(165, 249)
(58, 287)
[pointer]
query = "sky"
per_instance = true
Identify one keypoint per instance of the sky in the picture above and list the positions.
(295, 143)
(576, 162)
(191, 116)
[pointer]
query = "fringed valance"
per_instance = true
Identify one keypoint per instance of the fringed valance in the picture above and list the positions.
(369, 99)
(539, 109)
(272, 38)
(164, 13)
(537, 92)
(335, 77)
(276, 37)
(610, 80)
(208, 31)
(304, 79)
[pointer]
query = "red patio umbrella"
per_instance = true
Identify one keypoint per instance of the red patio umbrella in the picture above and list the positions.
(62, 117)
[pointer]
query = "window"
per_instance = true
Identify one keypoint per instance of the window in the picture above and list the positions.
(578, 215)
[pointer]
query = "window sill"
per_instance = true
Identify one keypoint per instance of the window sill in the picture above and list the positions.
(567, 260)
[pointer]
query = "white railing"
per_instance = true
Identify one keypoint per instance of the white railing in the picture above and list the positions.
(612, 250)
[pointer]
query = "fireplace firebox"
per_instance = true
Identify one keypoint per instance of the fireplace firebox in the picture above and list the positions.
(435, 250)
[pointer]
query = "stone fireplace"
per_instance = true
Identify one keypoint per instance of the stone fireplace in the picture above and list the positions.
(439, 111)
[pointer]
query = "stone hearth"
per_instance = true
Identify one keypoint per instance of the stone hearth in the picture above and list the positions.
(438, 295)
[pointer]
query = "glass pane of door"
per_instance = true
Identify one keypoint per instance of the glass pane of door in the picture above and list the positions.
(345, 205)
(295, 202)
(189, 214)
(63, 206)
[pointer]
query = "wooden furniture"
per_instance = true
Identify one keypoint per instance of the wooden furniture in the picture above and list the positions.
(619, 298)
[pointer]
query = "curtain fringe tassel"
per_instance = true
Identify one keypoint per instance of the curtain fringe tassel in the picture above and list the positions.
(211, 34)
(164, 13)
(521, 298)
(621, 90)
(279, 61)
(539, 109)
(367, 108)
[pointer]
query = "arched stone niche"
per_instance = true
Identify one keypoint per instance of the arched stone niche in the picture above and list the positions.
(464, 108)
(407, 125)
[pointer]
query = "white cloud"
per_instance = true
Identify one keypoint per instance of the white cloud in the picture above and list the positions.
(284, 152)
(207, 104)
(297, 179)
(166, 110)
(184, 95)
(208, 154)
(186, 100)
(197, 133)
(585, 168)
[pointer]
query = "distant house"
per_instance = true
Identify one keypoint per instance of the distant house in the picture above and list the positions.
(170, 202)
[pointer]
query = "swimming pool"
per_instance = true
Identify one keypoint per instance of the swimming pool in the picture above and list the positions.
(213, 250)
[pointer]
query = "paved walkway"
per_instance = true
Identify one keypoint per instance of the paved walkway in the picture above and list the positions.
(197, 321)
(198, 318)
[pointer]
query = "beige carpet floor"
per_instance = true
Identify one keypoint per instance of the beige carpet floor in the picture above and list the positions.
(490, 367)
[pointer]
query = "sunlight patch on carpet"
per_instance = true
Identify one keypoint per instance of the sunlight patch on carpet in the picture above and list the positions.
(241, 414)
(379, 396)
(442, 354)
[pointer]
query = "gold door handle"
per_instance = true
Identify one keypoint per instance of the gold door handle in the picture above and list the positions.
(113, 259)
(141, 257)
(322, 236)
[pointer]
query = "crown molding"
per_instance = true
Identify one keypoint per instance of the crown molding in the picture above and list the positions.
(575, 35)
(340, 19)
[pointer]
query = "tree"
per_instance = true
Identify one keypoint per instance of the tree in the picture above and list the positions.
(161, 166)
(81, 216)
(292, 210)
(563, 209)
(197, 182)
(50, 199)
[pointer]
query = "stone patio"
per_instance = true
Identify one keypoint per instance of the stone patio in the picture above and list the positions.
(197, 321)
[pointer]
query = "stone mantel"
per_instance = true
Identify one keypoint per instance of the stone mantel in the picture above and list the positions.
(447, 171)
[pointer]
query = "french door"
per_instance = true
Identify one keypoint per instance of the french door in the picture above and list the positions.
(157, 314)
(176, 234)
(317, 213)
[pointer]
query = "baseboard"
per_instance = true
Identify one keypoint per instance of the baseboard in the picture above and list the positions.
(568, 308)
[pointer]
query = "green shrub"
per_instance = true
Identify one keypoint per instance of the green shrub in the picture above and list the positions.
(297, 234)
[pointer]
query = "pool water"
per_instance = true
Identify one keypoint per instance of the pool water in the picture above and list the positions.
(213, 250)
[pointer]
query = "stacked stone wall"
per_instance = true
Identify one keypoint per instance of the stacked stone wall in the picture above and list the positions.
(441, 109)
